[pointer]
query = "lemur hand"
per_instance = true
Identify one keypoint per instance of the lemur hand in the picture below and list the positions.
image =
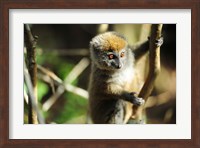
(136, 100)
(159, 41)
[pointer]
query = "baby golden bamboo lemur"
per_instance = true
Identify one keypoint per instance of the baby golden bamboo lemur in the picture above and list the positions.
(111, 93)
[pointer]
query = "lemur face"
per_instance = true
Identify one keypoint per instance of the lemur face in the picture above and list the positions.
(109, 51)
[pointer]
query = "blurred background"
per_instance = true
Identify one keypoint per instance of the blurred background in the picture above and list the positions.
(64, 67)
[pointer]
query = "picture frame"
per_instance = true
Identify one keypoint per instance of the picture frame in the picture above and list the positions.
(119, 4)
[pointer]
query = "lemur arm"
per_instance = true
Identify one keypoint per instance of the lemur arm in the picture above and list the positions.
(140, 49)
(116, 91)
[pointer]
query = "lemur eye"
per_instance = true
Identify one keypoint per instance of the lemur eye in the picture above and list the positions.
(122, 54)
(110, 56)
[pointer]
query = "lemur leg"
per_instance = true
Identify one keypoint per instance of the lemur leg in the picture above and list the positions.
(117, 116)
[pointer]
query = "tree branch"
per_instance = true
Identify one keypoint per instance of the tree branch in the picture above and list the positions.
(76, 71)
(31, 99)
(49, 75)
(154, 69)
(154, 63)
(30, 42)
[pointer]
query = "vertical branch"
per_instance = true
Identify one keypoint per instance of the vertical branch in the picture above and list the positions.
(30, 42)
(154, 68)
(31, 98)
(154, 62)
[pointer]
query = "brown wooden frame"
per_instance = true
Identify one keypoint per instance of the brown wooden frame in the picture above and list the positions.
(5, 5)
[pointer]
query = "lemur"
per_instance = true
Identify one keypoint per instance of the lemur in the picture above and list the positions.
(111, 91)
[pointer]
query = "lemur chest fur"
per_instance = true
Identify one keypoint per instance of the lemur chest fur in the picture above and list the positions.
(122, 78)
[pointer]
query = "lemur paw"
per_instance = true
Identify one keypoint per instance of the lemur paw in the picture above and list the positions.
(159, 41)
(136, 100)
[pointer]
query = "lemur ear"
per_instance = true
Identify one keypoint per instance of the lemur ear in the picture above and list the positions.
(93, 44)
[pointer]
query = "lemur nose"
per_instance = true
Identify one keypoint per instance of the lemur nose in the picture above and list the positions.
(119, 66)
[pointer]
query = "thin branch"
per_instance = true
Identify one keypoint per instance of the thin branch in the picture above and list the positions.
(49, 73)
(51, 83)
(76, 90)
(26, 97)
(160, 99)
(32, 95)
(76, 71)
(154, 69)
(30, 42)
